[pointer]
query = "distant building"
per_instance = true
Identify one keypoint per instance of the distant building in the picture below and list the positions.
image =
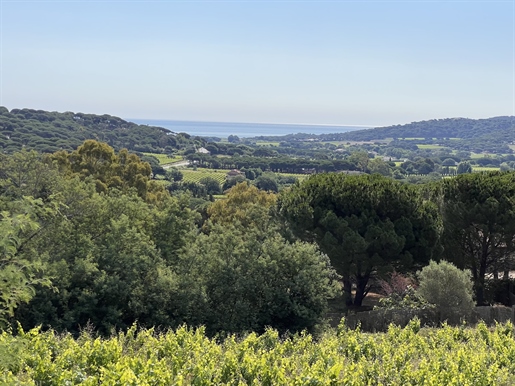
(203, 150)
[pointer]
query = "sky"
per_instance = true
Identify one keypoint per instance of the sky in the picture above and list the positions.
(371, 63)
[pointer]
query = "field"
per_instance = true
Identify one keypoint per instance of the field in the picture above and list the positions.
(477, 169)
(300, 177)
(410, 356)
(431, 147)
(476, 155)
(336, 143)
(191, 175)
(265, 143)
(164, 159)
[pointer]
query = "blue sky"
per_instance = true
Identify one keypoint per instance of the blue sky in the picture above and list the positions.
(318, 62)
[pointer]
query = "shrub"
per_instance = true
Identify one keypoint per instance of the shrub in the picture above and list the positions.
(400, 292)
(447, 287)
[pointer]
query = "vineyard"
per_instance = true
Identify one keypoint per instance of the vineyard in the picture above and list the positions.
(190, 175)
(409, 356)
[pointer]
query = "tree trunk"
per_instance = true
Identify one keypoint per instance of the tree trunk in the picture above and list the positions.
(480, 283)
(361, 286)
(347, 291)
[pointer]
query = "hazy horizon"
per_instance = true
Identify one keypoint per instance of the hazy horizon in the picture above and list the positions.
(255, 123)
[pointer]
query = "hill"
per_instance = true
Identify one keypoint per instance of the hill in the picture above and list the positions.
(52, 131)
(463, 128)
(490, 135)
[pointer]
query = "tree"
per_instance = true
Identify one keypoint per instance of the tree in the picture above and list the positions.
(478, 211)
(174, 174)
(212, 185)
(448, 162)
(232, 181)
(245, 205)
(365, 224)
(267, 182)
(241, 278)
(360, 159)
(377, 165)
(154, 164)
(447, 287)
(464, 167)
(111, 257)
(98, 160)
(18, 276)
(424, 166)
(26, 174)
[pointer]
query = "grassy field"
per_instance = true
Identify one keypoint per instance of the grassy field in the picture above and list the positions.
(265, 143)
(164, 159)
(476, 155)
(431, 147)
(300, 177)
(476, 169)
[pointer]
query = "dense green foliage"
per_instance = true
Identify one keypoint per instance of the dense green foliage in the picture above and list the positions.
(243, 279)
(91, 237)
(18, 277)
(409, 356)
(415, 155)
(85, 241)
(499, 127)
(479, 224)
(365, 224)
(491, 134)
(52, 131)
(98, 161)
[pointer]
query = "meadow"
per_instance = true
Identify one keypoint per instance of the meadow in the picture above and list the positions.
(402, 356)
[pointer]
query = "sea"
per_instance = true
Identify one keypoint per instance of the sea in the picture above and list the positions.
(244, 130)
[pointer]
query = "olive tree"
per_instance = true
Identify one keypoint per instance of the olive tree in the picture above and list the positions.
(447, 287)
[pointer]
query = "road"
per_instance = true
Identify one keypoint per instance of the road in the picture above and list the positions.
(176, 164)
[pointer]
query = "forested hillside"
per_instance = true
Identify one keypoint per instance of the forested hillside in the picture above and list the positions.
(440, 128)
(491, 135)
(48, 132)
(52, 131)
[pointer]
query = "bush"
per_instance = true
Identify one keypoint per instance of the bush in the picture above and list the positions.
(447, 287)
(400, 292)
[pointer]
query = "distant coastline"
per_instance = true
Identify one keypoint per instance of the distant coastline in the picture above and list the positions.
(245, 130)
